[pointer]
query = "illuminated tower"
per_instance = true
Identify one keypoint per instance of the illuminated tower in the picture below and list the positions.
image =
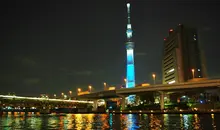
(130, 54)
(130, 82)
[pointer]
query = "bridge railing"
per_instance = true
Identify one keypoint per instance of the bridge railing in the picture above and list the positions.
(44, 99)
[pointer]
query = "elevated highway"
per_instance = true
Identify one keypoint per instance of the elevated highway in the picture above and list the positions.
(35, 99)
(43, 105)
(98, 95)
(187, 86)
(162, 89)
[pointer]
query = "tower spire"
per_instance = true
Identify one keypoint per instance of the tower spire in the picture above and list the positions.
(129, 29)
(128, 11)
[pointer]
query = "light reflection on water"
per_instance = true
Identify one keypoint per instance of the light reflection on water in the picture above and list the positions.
(110, 121)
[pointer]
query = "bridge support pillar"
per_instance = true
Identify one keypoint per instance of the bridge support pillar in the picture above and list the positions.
(123, 103)
(95, 105)
(162, 100)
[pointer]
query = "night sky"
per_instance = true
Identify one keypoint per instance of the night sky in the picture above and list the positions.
(57, 46)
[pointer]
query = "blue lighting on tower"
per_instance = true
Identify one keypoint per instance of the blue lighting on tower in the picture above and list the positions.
(130, 82)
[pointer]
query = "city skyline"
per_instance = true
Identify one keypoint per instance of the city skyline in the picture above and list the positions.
(54, 47)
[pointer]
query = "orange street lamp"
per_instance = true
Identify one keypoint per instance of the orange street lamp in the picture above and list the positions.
(90, 88)
(79, 90)
(193, 73)
(70, 92)
(105, 88)
(125, 80)
(62, 94)
(154, 77)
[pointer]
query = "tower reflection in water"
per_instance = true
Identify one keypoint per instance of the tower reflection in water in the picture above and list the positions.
(129, 122)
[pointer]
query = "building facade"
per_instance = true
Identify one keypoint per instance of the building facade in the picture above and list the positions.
(182, 59)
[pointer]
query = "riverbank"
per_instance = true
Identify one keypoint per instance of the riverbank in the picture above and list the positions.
(212, 111)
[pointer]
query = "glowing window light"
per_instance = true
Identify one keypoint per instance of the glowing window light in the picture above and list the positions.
(128, 26)
(130, 57)
(128, 5)
(171, 82)
(129, 33)
(171, 70)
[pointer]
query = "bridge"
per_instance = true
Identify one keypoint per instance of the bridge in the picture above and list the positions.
(161, 88)
(10, 103)
(87, 100)
(9, 97)
(187, 86)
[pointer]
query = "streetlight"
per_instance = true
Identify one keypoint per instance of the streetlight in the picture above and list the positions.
(70, 92)
(193, 73)
(65, 96)
(79, 90)
(105, 88)
(154, 77)
(90, 88)
(125, 80)
(55, 95)
(62, 94)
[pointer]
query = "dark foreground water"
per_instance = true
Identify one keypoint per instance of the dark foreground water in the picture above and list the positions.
(111, 122)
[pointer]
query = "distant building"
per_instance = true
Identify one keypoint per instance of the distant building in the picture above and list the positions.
(111, 88)
(182, 60)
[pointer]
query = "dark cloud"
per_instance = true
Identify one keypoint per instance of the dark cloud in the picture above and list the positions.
(206, 28)
(140, 54)
(31, 81)
(26, 61)
(77, 72)
(83, 73)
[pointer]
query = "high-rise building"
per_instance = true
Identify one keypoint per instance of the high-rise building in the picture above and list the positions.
(182, 59)
(130, 75)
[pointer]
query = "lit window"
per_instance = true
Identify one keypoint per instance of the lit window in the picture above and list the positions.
(194, 39)
(198, 69)
(171, 70)
(128, 26)
(129, 33)
(171, 82)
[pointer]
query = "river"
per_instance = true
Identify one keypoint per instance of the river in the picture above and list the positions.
(110, 122)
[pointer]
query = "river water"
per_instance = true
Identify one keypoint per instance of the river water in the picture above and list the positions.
(110, 122)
